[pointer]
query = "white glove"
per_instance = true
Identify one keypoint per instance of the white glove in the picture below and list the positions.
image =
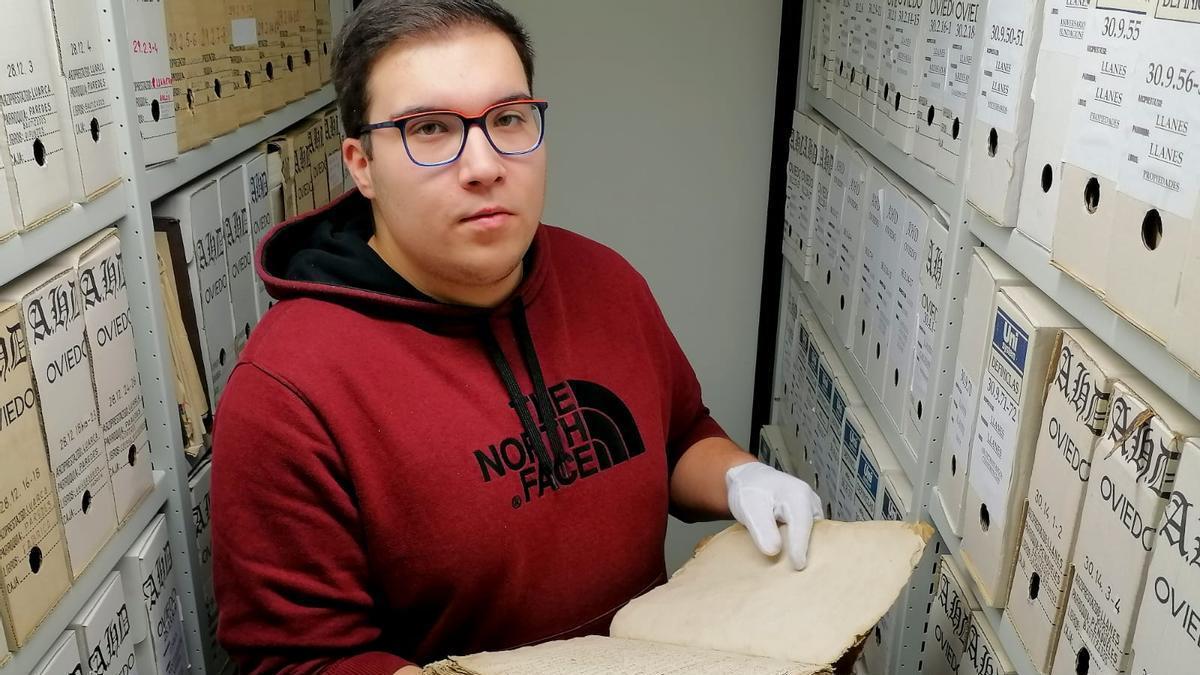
(759, 496)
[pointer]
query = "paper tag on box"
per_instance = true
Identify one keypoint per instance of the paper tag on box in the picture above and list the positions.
(244, 32)
(1065, 24)
(1161, 165)
(1005, 52)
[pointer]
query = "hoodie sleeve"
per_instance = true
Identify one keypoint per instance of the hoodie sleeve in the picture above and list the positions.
(690, 420)
(289, 566)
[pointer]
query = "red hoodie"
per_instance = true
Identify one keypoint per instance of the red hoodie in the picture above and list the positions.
(386, 489)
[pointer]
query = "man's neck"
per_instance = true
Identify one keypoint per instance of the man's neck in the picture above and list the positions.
(485, 296)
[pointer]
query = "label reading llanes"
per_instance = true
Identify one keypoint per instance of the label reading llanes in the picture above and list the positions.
(996, 426)
(1116, 32)
(1006, 37)
(1159, 165)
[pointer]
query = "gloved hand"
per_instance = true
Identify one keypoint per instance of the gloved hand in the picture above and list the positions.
(759, 496)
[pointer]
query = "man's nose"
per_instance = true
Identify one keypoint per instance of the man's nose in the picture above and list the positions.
(479, 164)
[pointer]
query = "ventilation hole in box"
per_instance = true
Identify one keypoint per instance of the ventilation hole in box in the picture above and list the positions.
(887, 90)
(291, 65)
(307, 57)
(955, 129)
(953, 465)
(1035, 585)
(154, 111)
(868, 85)
(993, 141)
(87, 501)
(897, 100)
(828, 512)
(828, 277)
(1083, 662)
(878, 636)
(1047, 178)
(877, 350)
(325, 48)
(895, 377)
(246, 78)
(1152, 229)
(852, 74)
(929, 117)
(133, 455)
(191, 98)
(842, 302)
(816, 481)
(94, 127)
(270, 71)
(39, 152)
(35, 559)
(1091, 195)
(818, 260)
(920, 410)
(221, 357)
(247, 331)
(841, 68)
(862, 327)
(985, 520)
(217, 87)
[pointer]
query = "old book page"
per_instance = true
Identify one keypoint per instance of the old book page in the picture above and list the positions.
(731, 598)
(612, 656)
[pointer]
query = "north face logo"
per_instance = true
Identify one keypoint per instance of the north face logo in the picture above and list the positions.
(597, 432)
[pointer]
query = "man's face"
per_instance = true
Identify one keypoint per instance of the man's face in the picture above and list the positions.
(424, 215)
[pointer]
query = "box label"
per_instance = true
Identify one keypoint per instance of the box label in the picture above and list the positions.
(1007, 37)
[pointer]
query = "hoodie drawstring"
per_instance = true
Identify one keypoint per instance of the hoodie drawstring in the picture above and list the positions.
(517, 400)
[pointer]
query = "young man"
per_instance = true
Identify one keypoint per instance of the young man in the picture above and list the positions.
(459, 429)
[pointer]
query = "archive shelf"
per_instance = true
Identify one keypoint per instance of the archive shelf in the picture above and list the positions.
(1142, 351)
(27, 657)
(23, 252)
(998, 621)
(162, 179)
(923, 179)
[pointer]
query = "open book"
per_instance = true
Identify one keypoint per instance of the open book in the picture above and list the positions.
(731, 609)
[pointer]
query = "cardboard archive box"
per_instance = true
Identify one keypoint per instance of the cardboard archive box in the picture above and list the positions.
(989, 273)
(1024, 333)
(117, 385)
(53, 323)
(1077, 400)
(1133, 474)
(153, 79)
(152, 596)
(33, 570)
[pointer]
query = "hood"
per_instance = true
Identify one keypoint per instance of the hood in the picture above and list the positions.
(324, 255)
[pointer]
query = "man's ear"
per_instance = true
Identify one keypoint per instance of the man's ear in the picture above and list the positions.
(358, 163)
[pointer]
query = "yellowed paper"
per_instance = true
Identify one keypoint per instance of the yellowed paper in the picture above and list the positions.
(604, 656)
(732, 598)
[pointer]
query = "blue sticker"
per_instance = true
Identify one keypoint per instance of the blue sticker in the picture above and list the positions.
(1010, 341)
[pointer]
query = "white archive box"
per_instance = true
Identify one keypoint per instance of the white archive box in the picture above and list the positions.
(902, 325)
(1057, 67)
(63, 658)
(1083, 373)
(255, 167)
(840, 298)
(118, 389)
(924, 364)
(1181, 340)
(1165, 640)
(52, 318)
(867, 283)
(790, 377)
(894, 495)
(989, 273)
(152, 594)
(333, 154)
(153, 85)
(200, 485)
(1133, 473)
(239, 251)
(819, 237)
(858, 488)
(828, 228)
(33, 564)
(960, 67)
(950, 614)
(873, 50)
(801, 190)
(835, 46)
(999, 138)
(196, 208)
(902, 71)
(822, 19)
(1157, 183)
(105, 631)
(85, 102)
(1097, 133)
(983, 653)
(847, 89)
(1024, 334)
(34, 162)
(938, 24)
(894, 210)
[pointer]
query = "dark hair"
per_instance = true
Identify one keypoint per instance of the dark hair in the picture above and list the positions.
(378, 24)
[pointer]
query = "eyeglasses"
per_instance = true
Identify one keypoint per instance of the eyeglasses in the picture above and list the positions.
(437, 138)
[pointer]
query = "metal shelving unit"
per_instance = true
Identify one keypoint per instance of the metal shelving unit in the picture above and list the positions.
(127, 206)
(28, 656)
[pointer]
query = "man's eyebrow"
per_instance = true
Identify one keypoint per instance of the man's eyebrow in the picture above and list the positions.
(520, 96)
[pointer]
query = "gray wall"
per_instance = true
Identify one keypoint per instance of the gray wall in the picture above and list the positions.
(659, 134)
